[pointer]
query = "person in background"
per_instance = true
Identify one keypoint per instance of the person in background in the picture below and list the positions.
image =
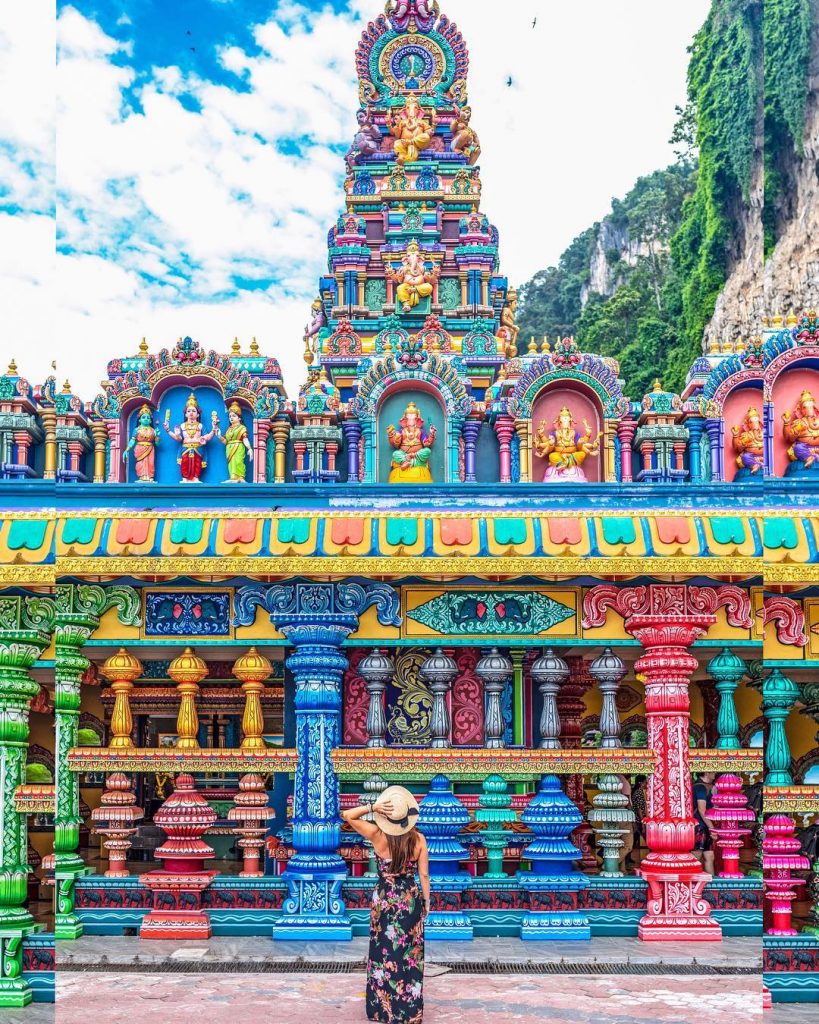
(638, 805)
(703, 843)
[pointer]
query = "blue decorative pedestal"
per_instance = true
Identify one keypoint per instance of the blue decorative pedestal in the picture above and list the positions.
(441, 817)
(552, 816)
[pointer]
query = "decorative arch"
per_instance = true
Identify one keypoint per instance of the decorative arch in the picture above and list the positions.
(421, 371)
(791, 365)
(591, 376)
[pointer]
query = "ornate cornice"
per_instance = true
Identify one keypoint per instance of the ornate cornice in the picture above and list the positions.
(791, 799)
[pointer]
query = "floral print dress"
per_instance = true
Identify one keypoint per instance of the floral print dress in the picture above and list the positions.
(395, 969)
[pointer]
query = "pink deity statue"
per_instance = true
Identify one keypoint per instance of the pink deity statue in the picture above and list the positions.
(413, 444)
(565, 447)
(401, 12)
(193, 440)
(143, 444)
(749, 442)
(801, 430)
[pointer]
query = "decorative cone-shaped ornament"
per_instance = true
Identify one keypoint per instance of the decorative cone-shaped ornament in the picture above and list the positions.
(252, 812)
(115, 819)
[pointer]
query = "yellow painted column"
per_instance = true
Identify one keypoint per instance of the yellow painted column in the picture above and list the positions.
(122, 669)
(187, 671)
(48, 416)
(253, 669)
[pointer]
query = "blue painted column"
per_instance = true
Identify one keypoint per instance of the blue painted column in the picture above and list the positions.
(352, 436)
(714, 430)
(316, 618)
(695, 430)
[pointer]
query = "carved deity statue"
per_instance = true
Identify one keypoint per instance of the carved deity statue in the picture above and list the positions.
(509, 330)
(565, 447)
(413, 444)
(237, 445)
(366, 141)
(414, 281)
(402, 12)
(412, 131)
(143, 444)
(749, 442)
(464, 137)
(801, 430)
(194, 442)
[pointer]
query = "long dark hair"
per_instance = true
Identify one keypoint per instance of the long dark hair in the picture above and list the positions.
(402, 849)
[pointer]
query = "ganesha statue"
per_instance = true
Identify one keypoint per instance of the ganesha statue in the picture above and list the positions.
(414, 281)
(801, 431)
(566, 448)
(413, 444)
(412, 130)
(403, 12)
(749, 444)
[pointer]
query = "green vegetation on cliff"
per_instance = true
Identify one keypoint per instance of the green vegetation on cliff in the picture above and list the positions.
(671, 243)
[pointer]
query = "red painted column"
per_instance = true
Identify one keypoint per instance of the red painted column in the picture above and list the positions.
(505, 429)
(666, 619)
(626, 431)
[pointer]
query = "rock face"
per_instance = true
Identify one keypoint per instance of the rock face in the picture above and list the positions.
(789, 278)
(604, 273)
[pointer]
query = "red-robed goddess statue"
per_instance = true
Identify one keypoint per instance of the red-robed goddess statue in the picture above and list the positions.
(189, 434)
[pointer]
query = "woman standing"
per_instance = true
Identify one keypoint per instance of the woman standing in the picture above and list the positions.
(395, 969)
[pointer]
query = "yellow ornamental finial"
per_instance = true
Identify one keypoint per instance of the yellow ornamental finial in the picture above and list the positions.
(254, 346)
(657, 384)
(793, 319)
(143, 347)
(67, 388)
(236, 350)
(532, 348)
(12, 370)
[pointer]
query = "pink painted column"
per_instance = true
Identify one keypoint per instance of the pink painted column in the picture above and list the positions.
(666, 619)
(505, 429)
(625, 432)
(730, 812)
(116, 468)
(260, 435)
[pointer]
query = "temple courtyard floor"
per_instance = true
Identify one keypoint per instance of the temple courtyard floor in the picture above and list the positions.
(122, 980)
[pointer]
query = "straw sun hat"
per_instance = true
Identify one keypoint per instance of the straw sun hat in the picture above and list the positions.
(404, 812)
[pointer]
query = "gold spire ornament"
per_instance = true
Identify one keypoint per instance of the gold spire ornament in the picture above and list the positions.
(122, 669)
(187, 671)
(252, 669)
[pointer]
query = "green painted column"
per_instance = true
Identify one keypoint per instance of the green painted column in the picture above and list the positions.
(779, 694)
(518, 728)
(727, 669)
(79, 608)
(25, 632)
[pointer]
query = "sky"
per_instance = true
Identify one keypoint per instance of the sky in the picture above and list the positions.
(178, 170)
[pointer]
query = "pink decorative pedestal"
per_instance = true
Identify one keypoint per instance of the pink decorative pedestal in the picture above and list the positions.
(730, 812)
(177, 889)
(252, 812)
(115, 819)
(781, 856)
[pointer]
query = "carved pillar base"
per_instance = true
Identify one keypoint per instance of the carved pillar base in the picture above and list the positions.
(676, 909)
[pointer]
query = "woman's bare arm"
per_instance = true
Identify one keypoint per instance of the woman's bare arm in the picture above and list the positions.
(423, 869)
(355, 818)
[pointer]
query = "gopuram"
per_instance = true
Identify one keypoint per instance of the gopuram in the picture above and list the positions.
(458, 559)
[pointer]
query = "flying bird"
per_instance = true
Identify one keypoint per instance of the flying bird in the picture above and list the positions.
(534, 23)
(509, 81)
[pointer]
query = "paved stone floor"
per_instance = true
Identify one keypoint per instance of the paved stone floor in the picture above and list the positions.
(114, 949)
(792, 1013)
(450, 999)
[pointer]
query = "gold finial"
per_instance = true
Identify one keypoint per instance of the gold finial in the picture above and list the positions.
(308, 352)
(143, 347)
(776, 320)
(532, 345)
(657, 384)
(12, 370)
(545, 347)
(236, 349)
(67, 388)
(254, 346)
(793, 319)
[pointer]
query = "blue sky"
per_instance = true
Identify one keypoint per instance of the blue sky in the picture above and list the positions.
(197, 174)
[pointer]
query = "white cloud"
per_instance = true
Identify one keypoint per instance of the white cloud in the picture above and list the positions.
(191, 198)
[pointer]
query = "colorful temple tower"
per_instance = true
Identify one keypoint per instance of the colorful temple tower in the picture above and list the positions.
(457, 559)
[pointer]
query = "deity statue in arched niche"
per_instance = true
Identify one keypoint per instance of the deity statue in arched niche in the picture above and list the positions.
(801, 431)
(413, 444)
(414, 281)
(143, 444)
(565, 447)
(412, 131)
(749, 442)
(194, 442)
(237, 445)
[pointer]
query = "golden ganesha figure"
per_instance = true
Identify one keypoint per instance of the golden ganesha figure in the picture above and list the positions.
(801, 431)
(412, 131)
(565, 447)
(749, 442)
(414, 281)
(413, 444)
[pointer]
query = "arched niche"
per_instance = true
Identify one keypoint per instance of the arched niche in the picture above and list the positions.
(794, 378)
(584, 404)
(174, 397)
(734, 410)
(391, 410)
